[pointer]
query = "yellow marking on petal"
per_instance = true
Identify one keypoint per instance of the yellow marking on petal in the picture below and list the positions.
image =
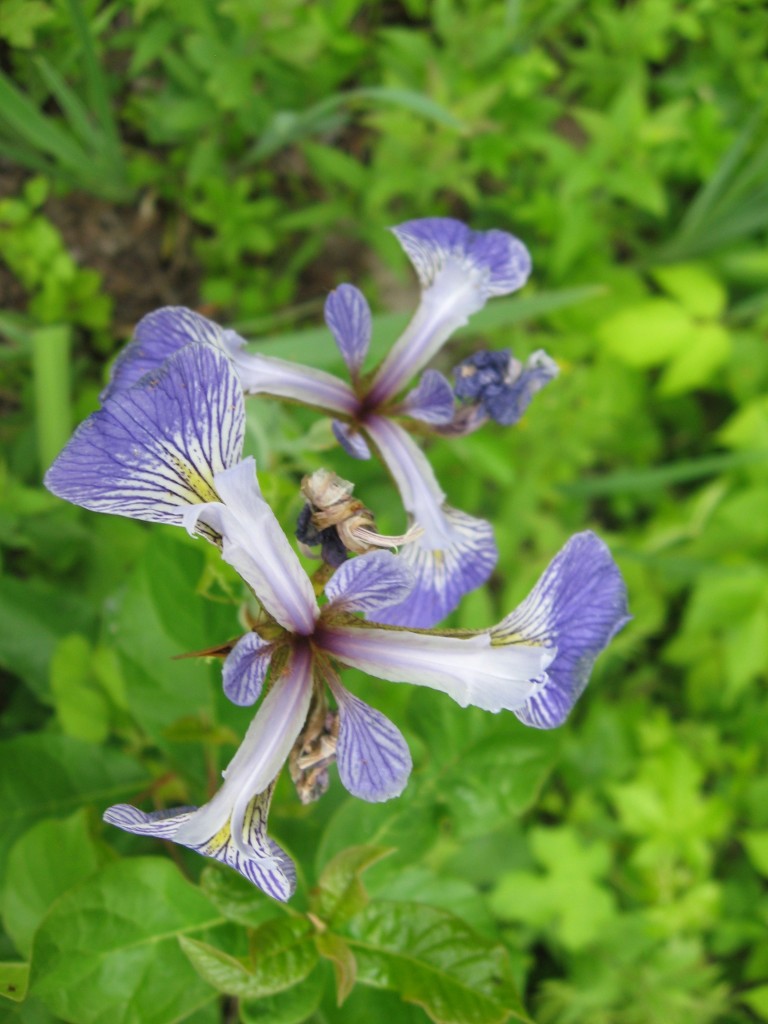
(506, 639)
(200, 487)
(217, 843)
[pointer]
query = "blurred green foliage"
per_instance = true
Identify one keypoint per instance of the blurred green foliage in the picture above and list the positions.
(613, 872)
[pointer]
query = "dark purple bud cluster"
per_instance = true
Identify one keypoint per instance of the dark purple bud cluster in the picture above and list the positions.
(500, 384)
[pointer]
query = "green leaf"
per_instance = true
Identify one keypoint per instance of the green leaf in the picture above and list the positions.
(14, 979)
(648, 333)
(30, 632)
(334, 948)
(293, 1006)
(708, 351)
(49, 859)
(108, 950)
(235, 897)
(433, 959)
(340, 893)
(756, 845)
(757, 1000)
(282, 954)
(81, 707)
(53, 775)
(566, 895)
(695, 288)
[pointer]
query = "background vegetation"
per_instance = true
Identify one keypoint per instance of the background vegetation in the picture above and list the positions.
(243, 157)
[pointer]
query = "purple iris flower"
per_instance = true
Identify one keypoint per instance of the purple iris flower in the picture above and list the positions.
(169, 449)
(459, 270)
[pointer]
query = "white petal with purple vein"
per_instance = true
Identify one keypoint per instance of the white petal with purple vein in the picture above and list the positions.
(469, 669)
(456, 552)
(154, 449)
(254, 544)
(267, 866)
(373, 758)
(268, 375)
(459, 270)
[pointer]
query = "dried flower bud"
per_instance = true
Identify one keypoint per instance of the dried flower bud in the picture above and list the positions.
(332, 513)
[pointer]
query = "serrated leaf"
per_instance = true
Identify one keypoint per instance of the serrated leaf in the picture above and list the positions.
(340, 893)
(14, 979)
(567, 896)
(334, 948)
(283, 954)
(52, 857)
(108, 950)
(433, 959)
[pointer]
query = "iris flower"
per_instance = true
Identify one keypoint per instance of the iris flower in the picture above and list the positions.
(169, 449)
(459, 270)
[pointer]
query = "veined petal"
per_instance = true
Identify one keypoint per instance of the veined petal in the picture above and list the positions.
(577, 606)
(431, 401)
(350, 440)
(155, 448)
(348, 316)
(435, 244)
(369, 582)
(268, 375)
(459, 270)
(232, 826)
(268, 866)
(455, 554)
(443, 575)
(373, 758)
(470, 669)
(245, 669)
(157, 336)
(261, 755)
(254, 544)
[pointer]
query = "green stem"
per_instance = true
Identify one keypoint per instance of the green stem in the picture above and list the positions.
(53, 412)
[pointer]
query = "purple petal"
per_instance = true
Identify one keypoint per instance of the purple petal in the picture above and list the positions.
(245, 669)
(431, 402)
(157, 336)
(456, 552)
(269, 867)
(373, 758)
(500, 260)
(459, 270)
(577, 606)
(369, 582)
(348, 316)
(352, 441)
(154, 449)
(443, 574)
